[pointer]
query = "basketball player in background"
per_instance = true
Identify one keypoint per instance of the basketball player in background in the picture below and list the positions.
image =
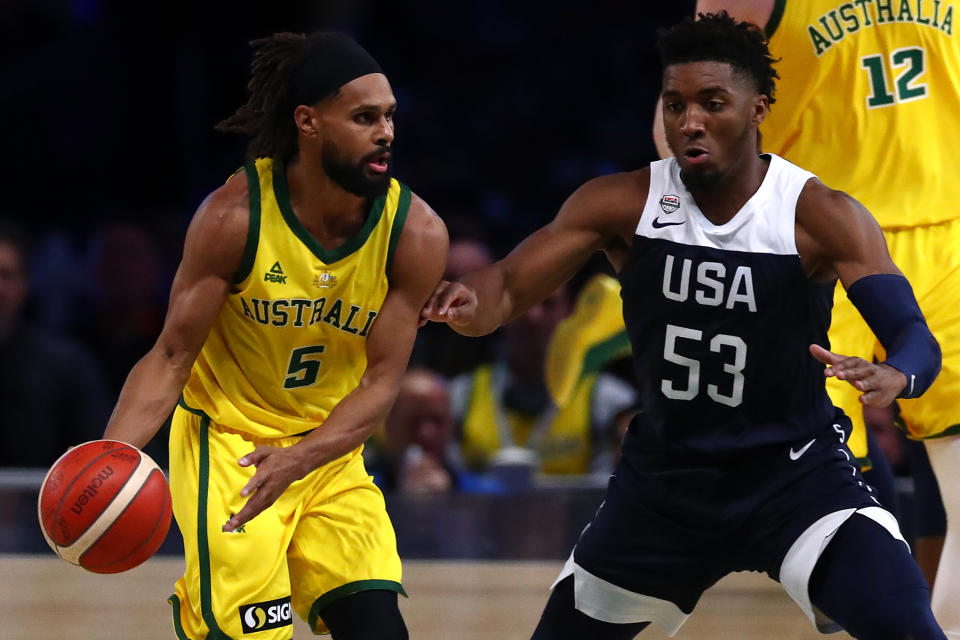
(291, 319)
(869, 101)
(738, 461)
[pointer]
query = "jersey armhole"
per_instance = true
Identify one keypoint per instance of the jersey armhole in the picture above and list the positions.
(779, 6)
(253, 231)
(403, 206)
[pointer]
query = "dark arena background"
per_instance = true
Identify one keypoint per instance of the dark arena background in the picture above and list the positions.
(505, 108)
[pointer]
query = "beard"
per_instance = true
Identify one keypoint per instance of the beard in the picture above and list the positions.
(354, 178)
(701, 180)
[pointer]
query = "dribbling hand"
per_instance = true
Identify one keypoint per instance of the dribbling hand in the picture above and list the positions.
(277, 468)
(880, 384)
(452, 302)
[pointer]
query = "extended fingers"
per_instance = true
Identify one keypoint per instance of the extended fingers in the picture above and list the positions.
(453, 296)
(854, 370)
(823, 355)
(254, 505)
(252, 485)
(255, 457)
(448, 304)
(429, 311)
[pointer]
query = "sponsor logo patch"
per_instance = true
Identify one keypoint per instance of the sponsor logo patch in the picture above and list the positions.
(271, 614)
(660, 225)
(275, 274)
(669, 203)
(325, 280)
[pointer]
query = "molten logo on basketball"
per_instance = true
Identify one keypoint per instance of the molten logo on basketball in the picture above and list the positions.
(92, 489)
(266, 615)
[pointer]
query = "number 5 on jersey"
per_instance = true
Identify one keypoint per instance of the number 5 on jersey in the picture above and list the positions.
(303, 369)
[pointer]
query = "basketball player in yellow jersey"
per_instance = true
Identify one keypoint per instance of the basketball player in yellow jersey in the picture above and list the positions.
(870, 102)
(291, 320)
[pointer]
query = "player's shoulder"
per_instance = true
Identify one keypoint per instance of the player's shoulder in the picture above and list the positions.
(224, 215)
(821, 207)
(831, 223)
(421, 249)
(217, 236)
(611, 203)
(424, 225)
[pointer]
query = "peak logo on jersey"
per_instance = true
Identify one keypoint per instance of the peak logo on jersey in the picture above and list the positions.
(669, 203)
(275, 274)
(266, 615)
(325, 280)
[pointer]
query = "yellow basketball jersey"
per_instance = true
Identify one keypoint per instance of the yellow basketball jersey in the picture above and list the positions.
(561, 436)
(290, 342)
(869, 100)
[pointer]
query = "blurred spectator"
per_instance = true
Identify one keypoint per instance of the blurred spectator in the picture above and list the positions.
(505, 409)
(438, 346)
(127, 309)
(882, 422)
(421, 455)
(466, 255)
(51, 390)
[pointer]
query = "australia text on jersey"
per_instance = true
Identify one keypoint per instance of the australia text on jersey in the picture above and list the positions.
(861, 14)
(306, 312)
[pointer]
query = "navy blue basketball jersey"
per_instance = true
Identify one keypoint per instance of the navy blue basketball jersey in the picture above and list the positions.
(720, 319)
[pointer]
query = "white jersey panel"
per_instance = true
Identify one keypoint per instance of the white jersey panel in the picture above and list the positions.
(765, 224)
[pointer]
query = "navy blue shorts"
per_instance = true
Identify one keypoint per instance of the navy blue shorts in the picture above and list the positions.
(671, 526)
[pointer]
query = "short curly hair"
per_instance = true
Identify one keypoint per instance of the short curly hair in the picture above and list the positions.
(718, 37)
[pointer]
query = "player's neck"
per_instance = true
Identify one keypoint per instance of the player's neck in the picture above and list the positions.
(326, 209)
(721, 202)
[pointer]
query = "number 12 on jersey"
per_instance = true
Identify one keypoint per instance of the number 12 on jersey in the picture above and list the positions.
(913, 61)
(669, 387)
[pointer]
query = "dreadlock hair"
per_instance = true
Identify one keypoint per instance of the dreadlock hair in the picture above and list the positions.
(267, 116)
(719, 38)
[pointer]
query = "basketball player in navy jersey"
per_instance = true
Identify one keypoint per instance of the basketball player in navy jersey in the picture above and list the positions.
(727, 261)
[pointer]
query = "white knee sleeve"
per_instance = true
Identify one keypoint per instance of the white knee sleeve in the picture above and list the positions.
(945, 459)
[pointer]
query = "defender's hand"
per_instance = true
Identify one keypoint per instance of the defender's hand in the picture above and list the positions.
(452, 302)
(880, 383)
(277, 468)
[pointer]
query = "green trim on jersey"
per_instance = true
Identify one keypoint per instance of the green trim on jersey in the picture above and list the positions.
(253, 231)
(348, 590)
(779, 6)
(282, 193)
(616, 346)
(952, 430)
(177, 625)
(203, 543)
(183, 405)
(403, 205)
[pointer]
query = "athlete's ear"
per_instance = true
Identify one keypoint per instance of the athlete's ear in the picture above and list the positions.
(307, 121)
(761, 106)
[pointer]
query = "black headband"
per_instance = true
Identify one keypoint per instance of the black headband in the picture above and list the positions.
(328, 61)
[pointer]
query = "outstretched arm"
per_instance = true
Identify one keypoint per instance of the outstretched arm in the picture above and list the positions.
(601, 214)
(211, 255)
(417, 267)
(837, 237)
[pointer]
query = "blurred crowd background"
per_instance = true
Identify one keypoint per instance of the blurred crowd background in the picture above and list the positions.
(505, 108)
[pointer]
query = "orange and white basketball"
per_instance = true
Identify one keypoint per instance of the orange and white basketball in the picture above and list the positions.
(105, 506)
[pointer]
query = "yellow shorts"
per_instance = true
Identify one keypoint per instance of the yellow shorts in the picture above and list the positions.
(930, 259)
(328, 536)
